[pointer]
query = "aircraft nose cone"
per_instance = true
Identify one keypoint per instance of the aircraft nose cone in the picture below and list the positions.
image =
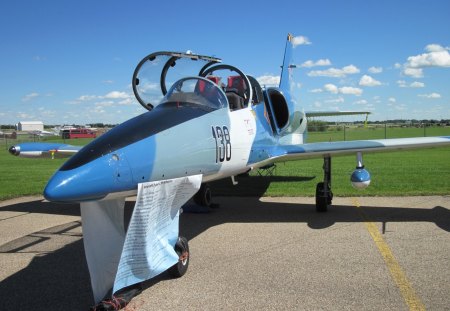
(89, 182)
(14, 150)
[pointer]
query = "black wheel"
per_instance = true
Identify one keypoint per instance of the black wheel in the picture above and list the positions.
(321, 199)
(182, 249)
(204, 196)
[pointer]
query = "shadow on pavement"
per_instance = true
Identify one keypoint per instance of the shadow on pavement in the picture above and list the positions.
(58, 279)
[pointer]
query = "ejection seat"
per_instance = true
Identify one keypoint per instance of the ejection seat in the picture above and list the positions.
(235, 92)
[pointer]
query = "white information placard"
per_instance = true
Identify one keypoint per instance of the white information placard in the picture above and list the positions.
(153, 230)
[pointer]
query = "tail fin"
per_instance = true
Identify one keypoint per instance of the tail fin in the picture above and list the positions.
(286, 70)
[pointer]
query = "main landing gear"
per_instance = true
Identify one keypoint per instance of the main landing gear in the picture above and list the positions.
(324, 196)
(203, 197)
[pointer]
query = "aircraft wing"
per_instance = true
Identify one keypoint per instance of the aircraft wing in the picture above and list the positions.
(339, 148)
(44, 150)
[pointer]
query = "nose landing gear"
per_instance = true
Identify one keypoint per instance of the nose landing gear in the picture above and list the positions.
(182, 250)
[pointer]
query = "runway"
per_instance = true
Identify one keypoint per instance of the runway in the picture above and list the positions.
(269, 254)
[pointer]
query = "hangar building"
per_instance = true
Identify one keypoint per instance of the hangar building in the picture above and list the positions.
(30, 126)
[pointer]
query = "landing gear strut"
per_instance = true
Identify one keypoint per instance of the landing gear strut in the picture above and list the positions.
(324, 196)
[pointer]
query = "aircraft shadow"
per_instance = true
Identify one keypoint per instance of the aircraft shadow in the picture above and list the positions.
(251, 186)
(255, 211)
(59, 279)
(38, 206)
(54, 279)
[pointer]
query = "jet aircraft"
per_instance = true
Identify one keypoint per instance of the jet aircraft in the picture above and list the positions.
(202, 117)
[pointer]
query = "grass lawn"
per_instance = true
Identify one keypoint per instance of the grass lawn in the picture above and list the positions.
(22, 176)
(417, 172)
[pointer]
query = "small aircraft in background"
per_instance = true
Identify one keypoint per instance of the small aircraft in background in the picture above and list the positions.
(43, 133)
(204, 117)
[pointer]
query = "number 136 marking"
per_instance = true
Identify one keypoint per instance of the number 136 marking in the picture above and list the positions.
(223, 144)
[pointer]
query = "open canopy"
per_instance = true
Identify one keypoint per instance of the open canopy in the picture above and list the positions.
(157, 72)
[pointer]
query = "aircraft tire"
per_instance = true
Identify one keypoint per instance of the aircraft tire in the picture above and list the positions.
(204, 196)
(182, 249)
(321, 201)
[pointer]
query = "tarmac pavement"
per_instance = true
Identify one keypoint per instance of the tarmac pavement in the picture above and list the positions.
(379, 253)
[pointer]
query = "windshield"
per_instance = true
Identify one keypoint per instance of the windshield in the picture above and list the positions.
(156, 73)
(198, 91)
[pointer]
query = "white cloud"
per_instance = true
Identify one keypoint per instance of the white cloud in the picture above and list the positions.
(416, 84)
(269, 80)
(375, 70)
(400, 107)
(300, 40)
(84, 98)
(320, 62)
(434, 48)
(431, 95)
(397, 65)
(316, 91)
(413, 72)
(111, 95)
(401, 83)
(47, 113)
(335, 72)
(30, 96)
(23, 115)
(368, 81)
(392, 99)
(437, 56)
(348, 90)
(340, 99)
(116, 95)
(361, 102)
(126, 101)
(331, 88)
(108, 103)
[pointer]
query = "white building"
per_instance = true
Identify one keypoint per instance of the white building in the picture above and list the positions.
(30, 126)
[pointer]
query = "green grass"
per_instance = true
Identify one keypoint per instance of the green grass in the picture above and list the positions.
(418, 172)
(22, 176)
(402, 173)
(372, 132)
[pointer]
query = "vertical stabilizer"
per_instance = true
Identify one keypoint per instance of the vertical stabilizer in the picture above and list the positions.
(286, 70)
(294, 132)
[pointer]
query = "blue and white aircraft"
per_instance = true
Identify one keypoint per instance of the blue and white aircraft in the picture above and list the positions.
(204, 117)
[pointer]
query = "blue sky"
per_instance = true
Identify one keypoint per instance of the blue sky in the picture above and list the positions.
(65, 62)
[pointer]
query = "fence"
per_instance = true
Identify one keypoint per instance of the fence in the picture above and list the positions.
(316, 133)
(339, 132)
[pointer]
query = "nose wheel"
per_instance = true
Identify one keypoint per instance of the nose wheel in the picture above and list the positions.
(324, 195)
(182, 250)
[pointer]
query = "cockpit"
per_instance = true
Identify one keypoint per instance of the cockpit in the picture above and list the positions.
(195, 91)
(185, 78)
